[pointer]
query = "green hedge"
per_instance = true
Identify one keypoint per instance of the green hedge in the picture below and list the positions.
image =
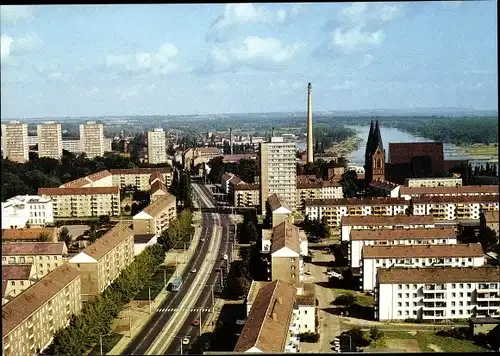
(97, 314)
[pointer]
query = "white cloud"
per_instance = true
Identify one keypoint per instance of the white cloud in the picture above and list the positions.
(254, 49)
(364, 14)
(134, 91)
(237, 14)
(217, 86)
(5, 46)
(367, 60)
(355, 39)
(159, 62)
(15, 13)
(347, 84)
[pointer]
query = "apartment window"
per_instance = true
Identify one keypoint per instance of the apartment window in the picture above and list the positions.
(399, 303)
(22, 283)
(461, 285)
(452, 312)
(414, 295)
(292, 267)
(469, 294)
(452, 304)
(399, 313)
(461, 295)
(468, 285)
(305, 311)
(414, 286)
(292, 259)
(414, 312)
(414, 304)
(41, 265)
(399, 295)
(407, 286)
(407, 295)
(407, 304)
(461, 312)
(293, 275)
(400, 286)
(453, 295)
(453, 285)
(461, 304)
(13, 283)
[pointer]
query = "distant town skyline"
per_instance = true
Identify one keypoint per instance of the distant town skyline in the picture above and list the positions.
(122, 60)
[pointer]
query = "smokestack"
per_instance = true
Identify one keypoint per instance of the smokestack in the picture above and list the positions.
(231, 139)
(310, 154)
(272, 132)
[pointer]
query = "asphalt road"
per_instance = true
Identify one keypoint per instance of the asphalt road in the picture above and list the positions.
(205, 299)
(140, 344)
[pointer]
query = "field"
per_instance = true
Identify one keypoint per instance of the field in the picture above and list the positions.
(421, 341)
(478, 150)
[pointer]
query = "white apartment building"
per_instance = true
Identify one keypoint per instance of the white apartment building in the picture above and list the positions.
(466, 190)
(139, 177)
(433, 182)
(83, 202)
(15, 141)
(397, 236)
(157, 146)
(334, 209)
(375, 258)
(309, 187)
(349, 223)
(455, 207)
(437, 293)
(49, 140)
(15, 280)
(247, 195)
(73, 146)
(92, 139)
(22, 210)
(278, 172)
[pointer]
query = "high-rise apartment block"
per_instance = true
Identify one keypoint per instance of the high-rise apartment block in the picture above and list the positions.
(92, 139)
(278, 172)
(49, 140)
(157, 146)
(15, 141)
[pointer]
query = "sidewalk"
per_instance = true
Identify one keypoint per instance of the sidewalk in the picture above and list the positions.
(140, 317)
(209, 323)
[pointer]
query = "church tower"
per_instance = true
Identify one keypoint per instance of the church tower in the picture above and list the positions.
(374, 155)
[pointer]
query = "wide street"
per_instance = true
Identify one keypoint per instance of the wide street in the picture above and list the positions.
(153, 334)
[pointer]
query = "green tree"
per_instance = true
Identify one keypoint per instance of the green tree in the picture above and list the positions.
(44, 237)
(65, 236)
(375, 333)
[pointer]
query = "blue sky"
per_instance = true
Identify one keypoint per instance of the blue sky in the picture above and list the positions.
(75, 60)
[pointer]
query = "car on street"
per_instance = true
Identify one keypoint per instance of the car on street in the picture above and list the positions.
(185, 341)
(202, 240)
(193, 270)
(308, 273)
(225, 257)
(196, 322)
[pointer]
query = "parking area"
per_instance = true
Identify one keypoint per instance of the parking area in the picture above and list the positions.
(76, 231)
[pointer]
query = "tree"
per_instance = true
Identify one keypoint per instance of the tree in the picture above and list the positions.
(126, 208)
(44, 237)
(409, 209)
(65, 236)
(348, 300)
(375, 333)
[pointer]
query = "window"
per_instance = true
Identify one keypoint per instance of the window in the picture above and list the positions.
(461, 285)
(461, 295)
(453, 285)
(452, 304)
(452, 312)
(399, 313)
(305, 311)
(414, 295)
(399, 295)
(461, 304)
(292, 259)
(453, 294)
(414, 312)
(468, 285)
(461, 312)
(414, 304)
(414, 286)
(407, 295)
(22, 283)
(13, 283)
(400, 286)
(399, 303)
(407, 304)
(407, 286)
(469, 294)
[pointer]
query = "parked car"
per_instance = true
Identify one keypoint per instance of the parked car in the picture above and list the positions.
(193, 270)
(185, 341)
(196, 322)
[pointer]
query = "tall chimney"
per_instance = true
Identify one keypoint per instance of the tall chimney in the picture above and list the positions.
(272, 132)
(231, 139)
(310, 154)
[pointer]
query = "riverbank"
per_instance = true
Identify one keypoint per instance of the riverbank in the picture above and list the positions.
(489, 151)
(344, 148)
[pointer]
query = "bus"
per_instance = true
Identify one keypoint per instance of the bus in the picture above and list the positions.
(176, 284)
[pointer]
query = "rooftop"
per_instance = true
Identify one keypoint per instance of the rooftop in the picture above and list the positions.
(429, 251)
(371, 220)
(492, 217)
(285, 235)
(433, 275)
(78, 191)
(21, 307)
(16, 272)
(156, 175)
(81, 182)
(275, 202)
(357, 201)
(404, 234)
(140, 170)
(28, 234)
(159, 204)
(108, 241)
(248, 186)
(460, 199)
(34, 248)
(464, 189)
(158, 185)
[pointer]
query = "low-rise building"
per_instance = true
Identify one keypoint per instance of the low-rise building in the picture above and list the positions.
(15, 280)
(83, 202)
(276, 211)
(247, 195)
(99, 179)
(46, 256)
(30, 321)
(437, 293)
(271, 325)
(156, 217)
(224, 181)
(73, 146)
(158, 189)
(334, 209)
(349, 223)
(29, 235)
(27, 210)
(139, 177)
(492, 219)
(442, 191)
(397, 236)
(465, 207)
(383, 189)
(433, 182)
(103, 261)
(484, 325)
(310, 187)
(375, 258)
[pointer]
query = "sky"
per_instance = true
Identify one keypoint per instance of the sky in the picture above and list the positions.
(98, 60)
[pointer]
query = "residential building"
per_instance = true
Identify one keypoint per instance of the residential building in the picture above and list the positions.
(276, 211)
(45, 256)
(466, 190)
(103, 261)
(233, 184)
(30, 321)
(194, 156)
(370, 222)
(27, 210)
(383, 189)
(158, 189)
(100, 179)
(437, 293)
(139, 177)
(433, 182)
(73, 146)
(156, 176)
(157, 146)
(375, 258)
(15, 141)
(309, 187)
(247, 195)
(107, 144)
(397, 236)
(271, 325)
(492, 219)
(83, 202)
(92, 139)
(484, 325)
(464, 207)
(278, 172)
(15, 280)
(50, 140)
(224, 181)
(334, 209)
(29, 235)
(156, 217)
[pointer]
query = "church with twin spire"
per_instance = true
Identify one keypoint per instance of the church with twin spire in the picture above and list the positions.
(374, 155)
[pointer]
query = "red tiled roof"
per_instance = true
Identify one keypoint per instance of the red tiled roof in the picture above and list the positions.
(465, 189)
(357, 201)
(247, 186)
(285, 235)
(34, 248)
(404, 234)
(80, 182)
(78, 191)
(460, 199)
(135, 171)
(29, 234)
(433, 275)
(371, 220)
(158, 185)
(16, 272)
(401, 251)
(109, 240)
(404, 152)
(239, 157)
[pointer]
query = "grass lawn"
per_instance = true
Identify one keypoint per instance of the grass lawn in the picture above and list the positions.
(479, 150)
(361, 298)
(156, 283)
(425, 339)
(108, 342)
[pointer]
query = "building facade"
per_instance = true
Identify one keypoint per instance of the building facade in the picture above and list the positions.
(278, 171)
(99, 179)
(437, 293)
(15, 141)
(83, 202)
(157, 146)
(467, 190)
(309, 188)
(72, 146)
(103, 261)
(139, 177)
(15, 280)
(27, 210)
(247, 195)
(156, 217)
(92, 139)
(464, 207)
(30, 321)
(50, 140)
(433, 182)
